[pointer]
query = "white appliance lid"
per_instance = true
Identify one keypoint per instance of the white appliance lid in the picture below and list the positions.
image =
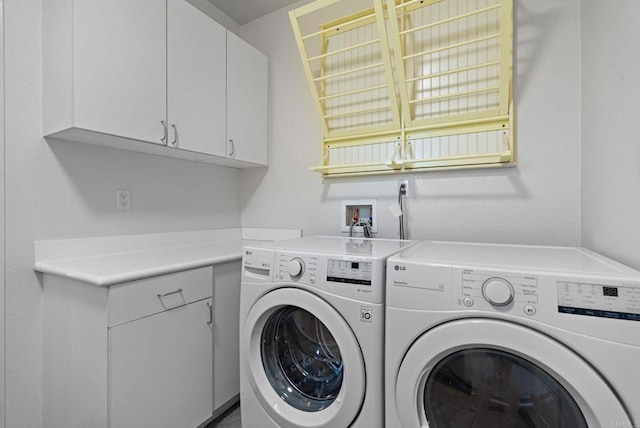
(518, 257)
(373, 248)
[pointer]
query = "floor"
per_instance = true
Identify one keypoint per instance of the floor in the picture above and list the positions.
(229, 419)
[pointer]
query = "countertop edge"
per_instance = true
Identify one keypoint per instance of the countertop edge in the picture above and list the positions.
(111, 260)
(109, 280)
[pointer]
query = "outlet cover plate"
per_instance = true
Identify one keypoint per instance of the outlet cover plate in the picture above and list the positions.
(123, 200)
(407, 186)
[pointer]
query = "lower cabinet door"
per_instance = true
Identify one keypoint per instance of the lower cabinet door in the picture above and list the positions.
(160, 369)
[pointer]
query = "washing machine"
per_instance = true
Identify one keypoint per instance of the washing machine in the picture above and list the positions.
(481, 335)
(312, 332)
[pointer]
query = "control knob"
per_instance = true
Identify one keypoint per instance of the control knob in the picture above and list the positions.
(498, 291)
(295, 267)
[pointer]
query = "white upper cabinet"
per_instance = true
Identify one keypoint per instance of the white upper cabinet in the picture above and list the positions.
(247, 89)
(105, 67)
(196, 80)
(151, 76)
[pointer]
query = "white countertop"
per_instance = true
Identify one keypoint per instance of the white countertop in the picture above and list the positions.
(106, 261)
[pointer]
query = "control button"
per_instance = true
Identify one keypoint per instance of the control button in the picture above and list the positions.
(497, 291)
(281, 275)
(529, 310)
(467, 301)
(312, 280)
(295, 267)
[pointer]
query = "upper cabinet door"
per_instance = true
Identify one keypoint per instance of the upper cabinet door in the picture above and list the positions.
(247, 83)
(119, 67)
(196, 84)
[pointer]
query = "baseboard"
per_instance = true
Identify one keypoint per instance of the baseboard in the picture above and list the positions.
(226, 406)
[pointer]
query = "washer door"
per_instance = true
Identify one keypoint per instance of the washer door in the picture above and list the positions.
(303, 361)
(481, 373)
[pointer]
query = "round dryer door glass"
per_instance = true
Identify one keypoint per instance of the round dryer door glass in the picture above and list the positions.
(493, 388)
(301, 359)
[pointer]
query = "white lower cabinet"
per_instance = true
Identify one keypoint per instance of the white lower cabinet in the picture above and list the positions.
(226, 339)
(160, 369)
(137, 354)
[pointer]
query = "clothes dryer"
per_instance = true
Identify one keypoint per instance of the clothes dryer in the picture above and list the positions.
(311, 332)
(481, 335)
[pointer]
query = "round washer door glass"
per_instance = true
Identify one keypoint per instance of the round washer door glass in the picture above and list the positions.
(488, 387)
(301, 359)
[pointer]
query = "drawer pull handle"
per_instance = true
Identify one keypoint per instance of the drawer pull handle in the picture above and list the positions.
(179, 290)
(210, 313)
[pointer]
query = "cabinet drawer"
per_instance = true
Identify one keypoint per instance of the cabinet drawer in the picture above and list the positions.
(137, 299)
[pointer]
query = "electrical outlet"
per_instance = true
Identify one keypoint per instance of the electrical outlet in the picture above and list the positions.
(123, 200)
(406, 188)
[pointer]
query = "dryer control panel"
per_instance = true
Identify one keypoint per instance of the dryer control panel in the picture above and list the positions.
(481, 289)
(599, 300)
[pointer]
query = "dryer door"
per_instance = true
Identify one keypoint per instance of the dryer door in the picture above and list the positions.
(303, 360)
(489, 373)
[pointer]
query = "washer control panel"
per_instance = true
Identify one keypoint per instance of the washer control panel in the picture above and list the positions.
(296, 267)
(293, 267)
(350, 276)
(305, 268)
(502, 291)
(599, 300)
(350, 272)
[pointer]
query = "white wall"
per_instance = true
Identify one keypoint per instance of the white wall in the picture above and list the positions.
(2, 228)
(537, 202)
(63, 190)
(611, 139)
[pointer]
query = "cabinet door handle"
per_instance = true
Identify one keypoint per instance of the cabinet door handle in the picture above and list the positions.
(165, 134)
(210, 313)
(175, 133)
(233, 149)
(179, 290)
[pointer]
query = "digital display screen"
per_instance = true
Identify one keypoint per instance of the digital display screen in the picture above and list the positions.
(598, 300)
(349, 272)
(610, 291)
